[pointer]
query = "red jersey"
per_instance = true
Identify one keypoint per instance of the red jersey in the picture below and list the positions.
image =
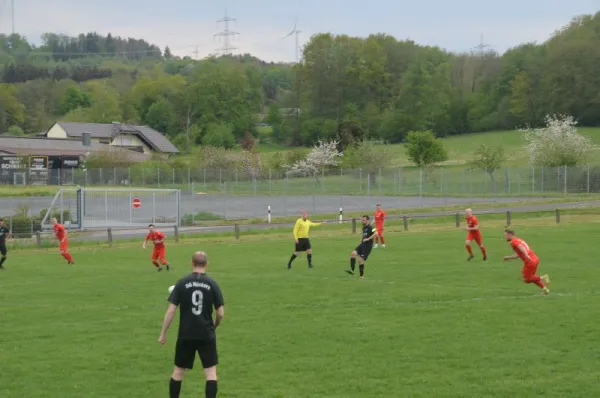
(515, 243)
(157, 238)
(60, 231)
(379, 217)
(472, 221)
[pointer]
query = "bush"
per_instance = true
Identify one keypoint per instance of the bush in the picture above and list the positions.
(25, 227)
(191, 219)
(424, 148)
(15, 131)
(66, 215)
(247, 162)
(219, 135)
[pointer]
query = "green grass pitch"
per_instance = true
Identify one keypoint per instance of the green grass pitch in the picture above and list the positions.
(423, 323)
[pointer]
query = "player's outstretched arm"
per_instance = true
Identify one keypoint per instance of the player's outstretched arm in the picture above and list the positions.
(511, 257)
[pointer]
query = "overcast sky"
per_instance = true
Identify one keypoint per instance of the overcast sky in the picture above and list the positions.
(184, 24)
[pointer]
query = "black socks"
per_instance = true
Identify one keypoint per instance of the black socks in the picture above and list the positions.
(211, 389)
(309, 258)
(292, 259)
(174, 388)
(352, 264)
(361, 269)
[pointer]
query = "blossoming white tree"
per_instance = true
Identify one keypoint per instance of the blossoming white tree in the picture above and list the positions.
(558, 143)
(322, 155)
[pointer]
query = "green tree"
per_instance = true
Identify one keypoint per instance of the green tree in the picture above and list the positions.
(75, 98)
(219, 135)
(424, 148)
(488, 159)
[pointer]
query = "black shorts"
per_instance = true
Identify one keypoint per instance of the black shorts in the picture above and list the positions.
(364, 250)
(302, 245)
(3, 250)
(185, 353)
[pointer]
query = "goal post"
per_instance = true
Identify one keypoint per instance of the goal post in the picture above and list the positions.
(92, 208)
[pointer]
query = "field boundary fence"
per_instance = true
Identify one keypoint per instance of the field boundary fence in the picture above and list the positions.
(408, 181)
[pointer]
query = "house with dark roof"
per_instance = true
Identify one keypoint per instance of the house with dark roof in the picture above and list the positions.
(57, 147)
(141, 139)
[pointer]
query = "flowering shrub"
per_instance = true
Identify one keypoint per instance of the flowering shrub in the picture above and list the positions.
(557, 144)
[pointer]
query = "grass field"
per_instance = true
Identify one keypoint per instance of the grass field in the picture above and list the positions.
(423, 323)
(461, 147)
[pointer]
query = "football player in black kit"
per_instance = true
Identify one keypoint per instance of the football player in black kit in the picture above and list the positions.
(196, 295)
(4, 234)
(364, 248)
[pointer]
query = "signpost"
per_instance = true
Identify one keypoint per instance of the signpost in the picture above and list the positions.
(136, 203)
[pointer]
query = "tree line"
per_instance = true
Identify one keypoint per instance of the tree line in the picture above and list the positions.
(346, 88)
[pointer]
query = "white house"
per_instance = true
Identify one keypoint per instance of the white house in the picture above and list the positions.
(136, 138)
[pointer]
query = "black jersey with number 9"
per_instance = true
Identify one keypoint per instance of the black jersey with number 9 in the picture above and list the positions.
(196, 295)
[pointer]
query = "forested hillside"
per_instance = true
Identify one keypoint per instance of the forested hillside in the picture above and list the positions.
(346, 87)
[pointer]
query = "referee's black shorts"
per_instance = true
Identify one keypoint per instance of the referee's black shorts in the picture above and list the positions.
(302, 245)
(185, 353)
(363, 250)
(3, 250)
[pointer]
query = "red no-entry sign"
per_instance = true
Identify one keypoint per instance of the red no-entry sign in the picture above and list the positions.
(137, 203)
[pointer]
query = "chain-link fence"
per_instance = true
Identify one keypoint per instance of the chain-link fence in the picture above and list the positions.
(408, 181)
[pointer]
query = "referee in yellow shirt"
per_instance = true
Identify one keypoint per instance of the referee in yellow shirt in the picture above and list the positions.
(301, 240)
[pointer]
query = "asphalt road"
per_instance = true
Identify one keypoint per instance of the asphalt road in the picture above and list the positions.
(140, 233)
(232, 206)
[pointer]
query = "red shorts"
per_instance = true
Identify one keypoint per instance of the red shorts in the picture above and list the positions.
(159, 253)
(379, 229)
(475, 235)
(64, 245)
(529, 269)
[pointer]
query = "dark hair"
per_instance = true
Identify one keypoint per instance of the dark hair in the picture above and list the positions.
(1, 219)
(365, 216)
(378, 204)
(509, 231)
(151, 225)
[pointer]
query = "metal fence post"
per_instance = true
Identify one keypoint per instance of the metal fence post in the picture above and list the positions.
(236, 230)
(130, 209)
(557, 216)
(533, 179)
(110, 237)
(588, 179)
(405, 223)
(565, 194)
(421, 185)
(508, 217)
(360, 179)
(457, 220)
(153, 207)
(353, 225)
(176, 233)
(106, 207)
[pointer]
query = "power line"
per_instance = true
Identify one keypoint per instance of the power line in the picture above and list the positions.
(226, 34)
(481, 46)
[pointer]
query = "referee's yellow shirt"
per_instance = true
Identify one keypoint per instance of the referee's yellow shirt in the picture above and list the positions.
(302, 228)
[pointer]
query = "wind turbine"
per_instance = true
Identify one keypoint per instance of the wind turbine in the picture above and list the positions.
(296, 32)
